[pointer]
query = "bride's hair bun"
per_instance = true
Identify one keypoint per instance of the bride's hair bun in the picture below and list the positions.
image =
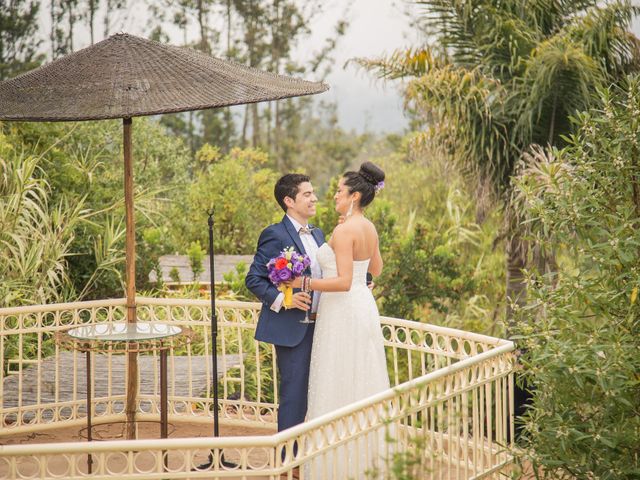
(371, 173)
(369, 180)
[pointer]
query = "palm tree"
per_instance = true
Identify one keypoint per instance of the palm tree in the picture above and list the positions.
(500, 76)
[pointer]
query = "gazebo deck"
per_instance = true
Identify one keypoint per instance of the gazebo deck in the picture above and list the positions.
(72, 378)
(450, 409)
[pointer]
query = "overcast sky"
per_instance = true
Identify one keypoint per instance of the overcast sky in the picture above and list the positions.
(376, 27)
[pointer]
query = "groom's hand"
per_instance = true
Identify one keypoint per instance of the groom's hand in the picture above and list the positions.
(370, 283)
(301, 301)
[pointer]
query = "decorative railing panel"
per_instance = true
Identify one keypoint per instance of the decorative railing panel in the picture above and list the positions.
(449, 413)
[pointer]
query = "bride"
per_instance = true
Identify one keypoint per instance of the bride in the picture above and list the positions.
(347, 359)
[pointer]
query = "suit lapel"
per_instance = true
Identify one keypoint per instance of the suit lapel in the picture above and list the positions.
(295, 236)
(317, 236)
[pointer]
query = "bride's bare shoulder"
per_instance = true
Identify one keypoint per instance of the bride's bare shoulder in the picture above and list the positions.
(341, 232)
(355, 227)
(360, 225)
(369, 223)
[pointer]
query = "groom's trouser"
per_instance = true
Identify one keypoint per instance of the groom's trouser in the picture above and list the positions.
(293, 367)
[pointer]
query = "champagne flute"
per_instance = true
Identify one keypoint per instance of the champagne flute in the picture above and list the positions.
(306, 289)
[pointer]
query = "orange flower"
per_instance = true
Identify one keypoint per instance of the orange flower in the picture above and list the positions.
(281, 263)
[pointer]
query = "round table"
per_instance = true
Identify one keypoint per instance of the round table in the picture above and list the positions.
(124, 337)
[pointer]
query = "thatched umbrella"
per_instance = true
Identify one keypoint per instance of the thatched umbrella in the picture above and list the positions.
(124, 77)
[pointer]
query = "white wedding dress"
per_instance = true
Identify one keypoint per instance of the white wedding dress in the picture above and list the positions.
(348, 364)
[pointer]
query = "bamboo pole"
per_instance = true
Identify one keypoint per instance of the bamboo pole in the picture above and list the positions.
(132, 357)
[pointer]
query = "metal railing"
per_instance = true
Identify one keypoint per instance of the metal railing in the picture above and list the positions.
(449, 413)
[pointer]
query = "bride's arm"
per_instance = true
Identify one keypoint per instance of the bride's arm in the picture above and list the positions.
(342, 241)
(375, 265)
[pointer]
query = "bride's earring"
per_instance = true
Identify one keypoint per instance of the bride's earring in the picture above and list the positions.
(350, 211)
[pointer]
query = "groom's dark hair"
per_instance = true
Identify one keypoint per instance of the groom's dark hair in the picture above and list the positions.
(287, 186)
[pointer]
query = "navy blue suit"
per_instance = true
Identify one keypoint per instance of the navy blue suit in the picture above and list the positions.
(283, 329)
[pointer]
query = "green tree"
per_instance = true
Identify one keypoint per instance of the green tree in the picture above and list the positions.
(19, 41)
(196, 255)
(500, 76)
(39, 231)
(326, 217)
(234, 283)
(423, 271)
(83, 162)
(423, 189)
(64, 16)
(581, 328)
(174, 274)
(153, 246)
(111, 8)
(239, 188)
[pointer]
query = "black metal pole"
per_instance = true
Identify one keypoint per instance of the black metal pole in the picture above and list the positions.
(214, 354)
(214, 329)
(89, 426)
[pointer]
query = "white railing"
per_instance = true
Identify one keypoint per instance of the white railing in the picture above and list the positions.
(449, 414)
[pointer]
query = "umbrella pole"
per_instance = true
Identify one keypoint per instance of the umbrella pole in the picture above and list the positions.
(132, 357)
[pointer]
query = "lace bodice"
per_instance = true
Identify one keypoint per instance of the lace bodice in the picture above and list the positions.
(327, 259)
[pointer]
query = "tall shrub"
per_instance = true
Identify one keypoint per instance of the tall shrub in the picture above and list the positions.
(35, 233)
(581, 329)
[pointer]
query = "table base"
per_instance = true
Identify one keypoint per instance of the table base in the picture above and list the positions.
(164, 424)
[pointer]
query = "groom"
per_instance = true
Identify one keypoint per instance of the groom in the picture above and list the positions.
(278, 325)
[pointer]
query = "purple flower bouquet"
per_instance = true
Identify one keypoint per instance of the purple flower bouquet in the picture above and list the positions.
(284, 268)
